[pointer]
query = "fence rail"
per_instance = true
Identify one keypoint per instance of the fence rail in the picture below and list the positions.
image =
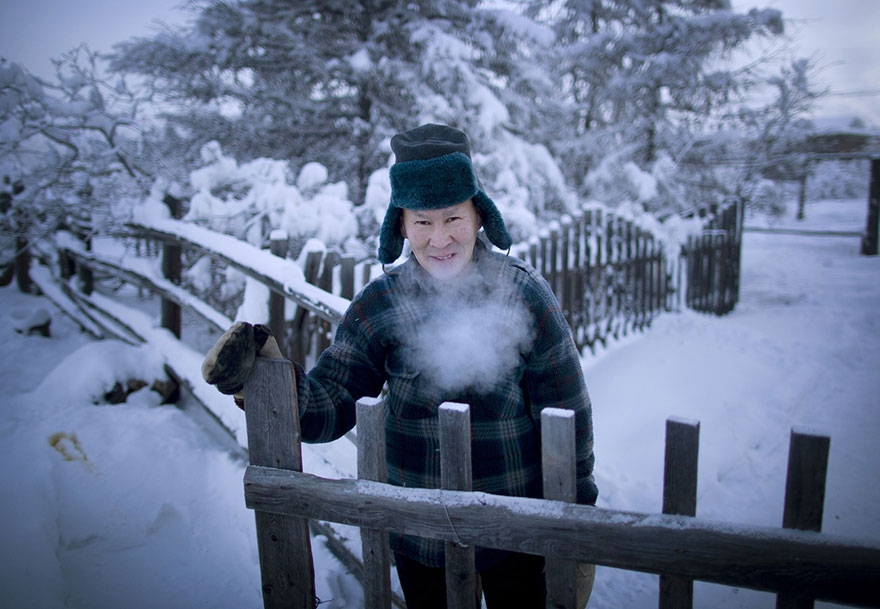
(800, 565)
(610, 276)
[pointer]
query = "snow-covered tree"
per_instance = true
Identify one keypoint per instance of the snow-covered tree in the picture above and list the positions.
(330, 81)
(73, 146)
(646, 76)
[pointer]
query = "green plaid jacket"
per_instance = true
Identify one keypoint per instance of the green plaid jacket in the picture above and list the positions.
(382, 339)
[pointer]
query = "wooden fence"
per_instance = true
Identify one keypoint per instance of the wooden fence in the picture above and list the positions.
(611, 277)
(591, 252)
(800, 565)
(713, 262)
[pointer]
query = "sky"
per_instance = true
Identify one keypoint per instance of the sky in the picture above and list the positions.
(137, 505)
(843, 35)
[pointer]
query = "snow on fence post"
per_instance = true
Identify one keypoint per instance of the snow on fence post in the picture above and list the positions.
(286, 567)
(278, 245)
(679, 497)
(559, 466)
(456, 475)
(372, 466)
(804, 496)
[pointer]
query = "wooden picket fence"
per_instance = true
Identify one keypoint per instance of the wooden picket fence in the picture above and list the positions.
(610, 276)
(713, 262)
(800, 565)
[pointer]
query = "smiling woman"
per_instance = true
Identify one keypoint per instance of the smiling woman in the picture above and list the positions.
(454, 322)
(442, 240)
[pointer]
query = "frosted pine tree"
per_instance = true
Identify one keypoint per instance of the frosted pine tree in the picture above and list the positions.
(645, 78)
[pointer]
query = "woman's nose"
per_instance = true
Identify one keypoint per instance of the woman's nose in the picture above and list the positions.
(440, 236)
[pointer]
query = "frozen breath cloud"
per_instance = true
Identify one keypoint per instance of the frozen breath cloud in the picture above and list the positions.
(470, 343)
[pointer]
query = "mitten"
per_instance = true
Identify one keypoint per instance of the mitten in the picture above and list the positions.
(229, 362)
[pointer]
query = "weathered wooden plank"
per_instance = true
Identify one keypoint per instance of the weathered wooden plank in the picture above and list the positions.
(456, 474)
(164, 288)
(804, 497)
(828, 567)
(805, 482)
(372, 466)
(256, 263)
(679, 497)
(559, 463)
(286, 567)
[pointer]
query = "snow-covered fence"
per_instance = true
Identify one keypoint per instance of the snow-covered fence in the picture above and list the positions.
(610, 275)
(713, 262)
(801, 565)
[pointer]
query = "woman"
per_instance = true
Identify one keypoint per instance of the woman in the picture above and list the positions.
(455, 322)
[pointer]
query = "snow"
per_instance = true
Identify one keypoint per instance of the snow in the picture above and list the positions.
(137, 505)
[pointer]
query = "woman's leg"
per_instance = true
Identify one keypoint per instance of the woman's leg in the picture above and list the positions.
(516, 581)
(423, 587)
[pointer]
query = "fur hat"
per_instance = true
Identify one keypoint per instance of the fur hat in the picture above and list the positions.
(433, 170)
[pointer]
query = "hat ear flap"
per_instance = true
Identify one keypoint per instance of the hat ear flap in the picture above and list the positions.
(493, 223)
(390, 237)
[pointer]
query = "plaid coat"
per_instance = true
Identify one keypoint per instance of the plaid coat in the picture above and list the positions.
(431, 345)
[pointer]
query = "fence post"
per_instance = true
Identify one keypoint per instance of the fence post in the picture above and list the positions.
(566, 297)
(171, 270)
(559, 466)
(456, 475)
(22, 263)
(278, 245)
(679, 497)
(286, 568)
(301, 335)
(804, 496)
(872, 230)
(372, 466)
(346, 277)
(325, 282)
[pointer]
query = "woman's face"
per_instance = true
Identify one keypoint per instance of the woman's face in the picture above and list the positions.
(442, 240)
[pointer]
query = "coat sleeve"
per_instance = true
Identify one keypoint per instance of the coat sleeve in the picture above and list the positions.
(351, 368)
(554, 378)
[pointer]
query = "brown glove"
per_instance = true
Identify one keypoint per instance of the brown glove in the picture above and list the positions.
(229, 362)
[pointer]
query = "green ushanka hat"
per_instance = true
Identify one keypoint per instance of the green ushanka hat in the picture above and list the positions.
(433, 170)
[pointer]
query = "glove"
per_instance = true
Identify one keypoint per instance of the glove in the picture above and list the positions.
(229, 362)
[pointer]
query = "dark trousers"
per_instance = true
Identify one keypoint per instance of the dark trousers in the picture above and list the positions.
(516, 581)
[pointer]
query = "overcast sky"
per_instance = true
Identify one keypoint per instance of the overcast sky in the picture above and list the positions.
(844, 36)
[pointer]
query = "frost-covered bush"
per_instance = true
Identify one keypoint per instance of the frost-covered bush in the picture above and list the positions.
(252, 199)
(619, 181)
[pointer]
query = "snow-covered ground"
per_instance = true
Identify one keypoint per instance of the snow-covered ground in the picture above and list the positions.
(137, 506)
